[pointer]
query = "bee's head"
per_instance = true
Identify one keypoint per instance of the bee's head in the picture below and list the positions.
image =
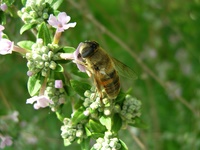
(88, 48)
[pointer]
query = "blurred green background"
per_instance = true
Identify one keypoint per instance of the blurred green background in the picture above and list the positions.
(158, 39)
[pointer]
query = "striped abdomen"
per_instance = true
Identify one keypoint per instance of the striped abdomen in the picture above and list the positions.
(111, 84)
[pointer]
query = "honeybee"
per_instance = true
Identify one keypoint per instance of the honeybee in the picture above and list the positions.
(103, 68)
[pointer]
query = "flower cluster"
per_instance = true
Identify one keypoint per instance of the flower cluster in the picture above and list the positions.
(130, 109)
(56, 93)
(35, 12)
(95, 105)
(41, 59)
(71, 132)
(109, 142)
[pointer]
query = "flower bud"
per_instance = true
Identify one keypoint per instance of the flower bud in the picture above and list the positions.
(52, 65)
(107, 111)
(45, 15)
(79, 133)
(87, 93)
(44, 73)
(45, 57)
(50, 54)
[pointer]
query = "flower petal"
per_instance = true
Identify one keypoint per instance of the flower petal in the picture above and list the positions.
(78, 59)
(31, 100)
(69, 25)
(53, 21)
(6, 46)
(63, 18)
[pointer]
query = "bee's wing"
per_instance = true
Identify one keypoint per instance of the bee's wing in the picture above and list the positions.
(124, 70)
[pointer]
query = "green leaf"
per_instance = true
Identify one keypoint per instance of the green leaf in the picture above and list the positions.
(26, 27)
(23, 2)
(34, 84)
(88, 133)
(2, 18)
(56, 3)
(78, 104)
(59, 68)
(79, 87)
(106, 121)
(67, 142)
(78, 116)
(124, 146)
(68, 49)
(43, 33)
(120, 97)
(25, 44)
(96, 127)
(139, 123)
(117, 123)
(85, 144)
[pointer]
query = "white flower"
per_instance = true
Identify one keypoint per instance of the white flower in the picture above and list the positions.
(5, 141)
(41, 101)
(61, 22)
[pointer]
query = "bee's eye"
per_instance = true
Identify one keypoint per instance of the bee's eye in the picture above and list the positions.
(94, 45)
(89, 49)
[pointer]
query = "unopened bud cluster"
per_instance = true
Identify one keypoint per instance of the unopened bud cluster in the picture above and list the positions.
(35, 12)
(71, 132)
(57, 95)
(109, 142)
(41, 59)
(131, 108)
(95, 105)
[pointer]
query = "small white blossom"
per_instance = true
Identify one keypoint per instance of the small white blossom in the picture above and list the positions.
(41, 101)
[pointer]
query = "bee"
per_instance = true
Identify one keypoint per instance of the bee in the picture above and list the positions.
(103, 68)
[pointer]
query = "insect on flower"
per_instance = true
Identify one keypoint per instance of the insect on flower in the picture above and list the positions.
(103, 68)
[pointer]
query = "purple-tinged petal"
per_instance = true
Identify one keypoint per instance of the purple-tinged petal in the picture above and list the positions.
(63, 18)
(58, 84)
(53, 21)
(78, 59)
(6, 46)
(5, 141)
(3, 7)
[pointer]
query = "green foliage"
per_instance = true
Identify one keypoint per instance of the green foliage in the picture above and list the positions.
(34, 84)
(43, 33)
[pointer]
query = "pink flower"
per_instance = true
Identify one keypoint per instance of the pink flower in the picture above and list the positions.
(6, 46)
(5, 141)
(78, 59)
(41, 101)
(61, 22)
(3, 7)
(58, 84)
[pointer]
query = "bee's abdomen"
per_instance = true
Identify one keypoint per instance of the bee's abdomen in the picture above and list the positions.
(111, 84)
